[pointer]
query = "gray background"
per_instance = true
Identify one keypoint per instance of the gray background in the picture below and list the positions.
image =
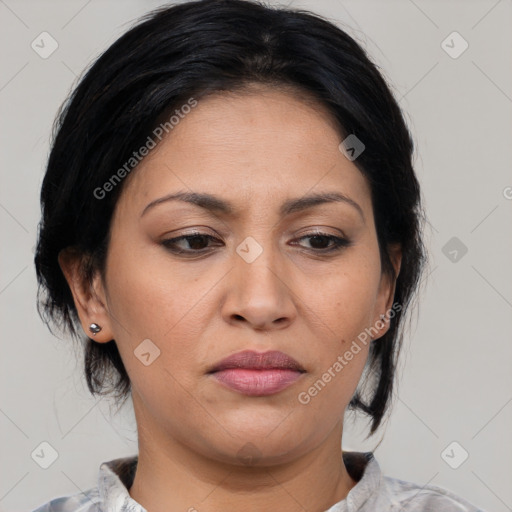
(455, 378)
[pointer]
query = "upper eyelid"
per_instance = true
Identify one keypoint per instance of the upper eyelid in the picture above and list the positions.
(314, 232)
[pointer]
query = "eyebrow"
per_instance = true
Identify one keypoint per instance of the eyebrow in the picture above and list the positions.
(215, 204)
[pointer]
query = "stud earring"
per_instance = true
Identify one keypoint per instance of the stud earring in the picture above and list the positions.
(94, 328)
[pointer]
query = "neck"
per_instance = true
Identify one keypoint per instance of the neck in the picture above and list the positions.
(171, 476)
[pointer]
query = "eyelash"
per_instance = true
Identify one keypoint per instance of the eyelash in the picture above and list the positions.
(338, 243)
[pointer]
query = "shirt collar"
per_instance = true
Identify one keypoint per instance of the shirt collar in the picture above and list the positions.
(369, 487)
(115, 478)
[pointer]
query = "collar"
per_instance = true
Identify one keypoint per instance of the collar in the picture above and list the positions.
(115, 478)
(363, 467)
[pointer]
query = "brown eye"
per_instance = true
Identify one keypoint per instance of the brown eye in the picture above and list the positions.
(196, 242)
(319, 242)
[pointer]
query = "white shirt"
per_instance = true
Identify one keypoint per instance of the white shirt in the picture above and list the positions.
(373, 492)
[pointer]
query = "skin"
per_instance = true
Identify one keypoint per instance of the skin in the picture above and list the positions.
(255, 149)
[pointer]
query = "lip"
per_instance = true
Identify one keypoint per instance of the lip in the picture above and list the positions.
(257, 373)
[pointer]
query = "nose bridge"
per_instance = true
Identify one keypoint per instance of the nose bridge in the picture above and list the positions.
(257, 291)
(257, 262)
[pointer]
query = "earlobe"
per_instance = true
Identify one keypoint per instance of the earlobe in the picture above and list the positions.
(91, 310)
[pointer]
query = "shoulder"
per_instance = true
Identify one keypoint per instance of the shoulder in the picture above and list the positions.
(88, 501)
(414, 497)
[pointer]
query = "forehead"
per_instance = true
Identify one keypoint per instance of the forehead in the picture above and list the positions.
(252, 148)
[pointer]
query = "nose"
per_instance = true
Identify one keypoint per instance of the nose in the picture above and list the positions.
(259, 293)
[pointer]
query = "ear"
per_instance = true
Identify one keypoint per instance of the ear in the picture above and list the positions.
(89, 298)
(386, 292)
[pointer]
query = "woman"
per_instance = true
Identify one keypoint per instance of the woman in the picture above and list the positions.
(231, 215)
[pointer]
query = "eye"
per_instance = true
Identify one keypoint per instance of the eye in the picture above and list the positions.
(197, 242)
(319, 242)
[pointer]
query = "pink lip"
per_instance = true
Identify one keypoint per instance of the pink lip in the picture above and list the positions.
(257, 374)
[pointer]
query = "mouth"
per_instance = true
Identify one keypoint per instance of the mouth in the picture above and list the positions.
(257, 373)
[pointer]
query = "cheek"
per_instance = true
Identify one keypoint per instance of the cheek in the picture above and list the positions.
(346, 297)
(328, 391)
(344, 301)
(149, 298)
(345, 307)
(151, 293)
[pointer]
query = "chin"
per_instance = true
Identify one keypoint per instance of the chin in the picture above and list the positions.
(260, 447)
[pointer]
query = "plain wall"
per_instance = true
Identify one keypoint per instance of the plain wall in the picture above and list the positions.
(455, 382)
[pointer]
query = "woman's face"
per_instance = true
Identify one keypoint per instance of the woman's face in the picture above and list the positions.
(255, 278)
